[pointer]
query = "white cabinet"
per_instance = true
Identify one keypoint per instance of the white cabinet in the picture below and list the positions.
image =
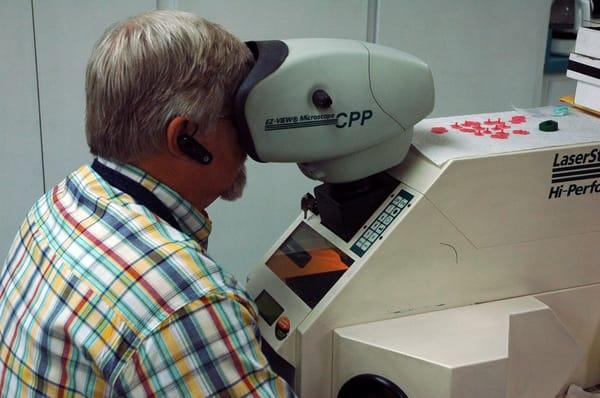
(66, 31)
(21, 178)
(485, 55)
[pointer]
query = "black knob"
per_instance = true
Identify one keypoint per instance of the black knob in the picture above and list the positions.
(321, 99)
(307, 203)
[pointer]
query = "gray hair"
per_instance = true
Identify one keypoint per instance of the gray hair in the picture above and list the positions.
(152, 67)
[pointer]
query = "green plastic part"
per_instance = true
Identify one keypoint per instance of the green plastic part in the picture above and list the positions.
(549, 125)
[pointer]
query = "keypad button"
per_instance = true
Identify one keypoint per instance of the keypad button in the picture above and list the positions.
(388, 220)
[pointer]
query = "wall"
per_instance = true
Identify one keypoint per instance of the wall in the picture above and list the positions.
(66, 31)
(21, 178)
(485, 55)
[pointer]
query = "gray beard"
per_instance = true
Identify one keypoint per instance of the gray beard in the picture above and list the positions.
(235, 191)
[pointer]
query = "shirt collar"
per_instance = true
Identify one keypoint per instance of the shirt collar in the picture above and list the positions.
(191, 220)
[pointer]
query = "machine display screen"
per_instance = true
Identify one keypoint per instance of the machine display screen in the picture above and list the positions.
(308, 264)
(268, 308)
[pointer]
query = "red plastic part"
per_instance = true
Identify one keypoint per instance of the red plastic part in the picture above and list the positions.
(439, 130)
(517, 119)
(520, 132)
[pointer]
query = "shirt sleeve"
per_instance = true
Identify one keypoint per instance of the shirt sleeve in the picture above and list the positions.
(209, 348)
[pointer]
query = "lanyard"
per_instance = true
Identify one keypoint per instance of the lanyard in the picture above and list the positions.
(139, 193)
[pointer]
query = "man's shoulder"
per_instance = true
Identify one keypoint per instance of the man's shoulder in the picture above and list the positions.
(142, 267)
(139, 269)
(153, 261)
(170, 277)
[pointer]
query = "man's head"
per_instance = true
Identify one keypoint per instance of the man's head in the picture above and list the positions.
(160, 75)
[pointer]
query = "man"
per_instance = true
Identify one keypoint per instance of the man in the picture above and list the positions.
(108, 289)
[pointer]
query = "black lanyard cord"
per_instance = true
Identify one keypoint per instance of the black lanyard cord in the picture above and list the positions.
(140, 194)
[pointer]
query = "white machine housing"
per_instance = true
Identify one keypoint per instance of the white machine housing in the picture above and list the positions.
(470, 278)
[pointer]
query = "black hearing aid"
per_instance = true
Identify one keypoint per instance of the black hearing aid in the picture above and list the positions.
(192, 148)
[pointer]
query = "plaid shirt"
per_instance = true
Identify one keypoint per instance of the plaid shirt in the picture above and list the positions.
(101, 297)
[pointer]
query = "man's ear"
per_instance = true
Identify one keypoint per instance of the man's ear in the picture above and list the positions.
(176, 127)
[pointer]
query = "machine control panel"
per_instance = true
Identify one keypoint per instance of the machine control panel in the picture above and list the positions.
(268, 308)
(383, 220)
(304, 263)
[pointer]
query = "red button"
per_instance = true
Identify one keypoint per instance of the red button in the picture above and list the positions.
(282, 327)
(283, 324)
